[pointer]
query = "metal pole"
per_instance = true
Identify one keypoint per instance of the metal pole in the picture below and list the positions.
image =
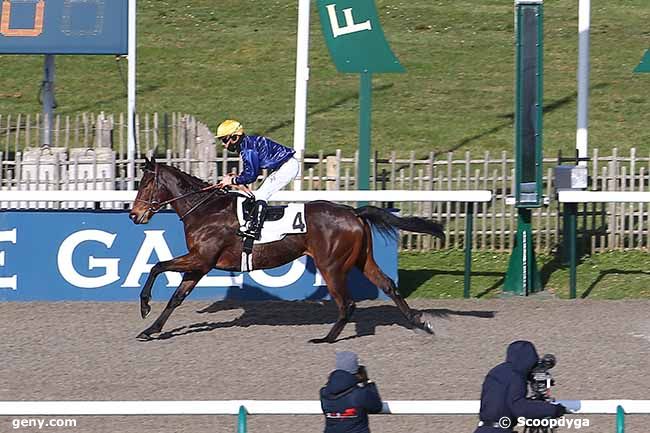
(469, 229)
(584, 18)
(48, 98)
(365, 110)
(131, 141)
(302, 78)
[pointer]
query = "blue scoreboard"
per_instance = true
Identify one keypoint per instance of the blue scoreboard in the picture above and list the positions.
(64, 27)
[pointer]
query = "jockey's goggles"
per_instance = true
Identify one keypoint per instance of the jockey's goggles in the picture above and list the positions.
(228, 138)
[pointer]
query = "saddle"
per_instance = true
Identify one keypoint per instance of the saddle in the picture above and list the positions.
(273, 213)
(279, 222)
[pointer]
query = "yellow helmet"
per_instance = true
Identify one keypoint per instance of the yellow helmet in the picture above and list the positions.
(229, 127)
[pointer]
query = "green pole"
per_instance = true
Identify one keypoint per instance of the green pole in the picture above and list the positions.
(241, 425)
(522, 276)
(469, 229)
(620, 419)
(365, 108)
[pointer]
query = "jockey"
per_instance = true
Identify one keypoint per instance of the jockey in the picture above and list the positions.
(257, 153)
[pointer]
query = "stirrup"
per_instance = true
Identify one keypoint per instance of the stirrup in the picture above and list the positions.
(249, 234)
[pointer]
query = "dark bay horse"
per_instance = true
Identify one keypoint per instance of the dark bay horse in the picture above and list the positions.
(338, 237)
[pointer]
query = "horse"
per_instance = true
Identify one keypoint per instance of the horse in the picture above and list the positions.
(337, 238)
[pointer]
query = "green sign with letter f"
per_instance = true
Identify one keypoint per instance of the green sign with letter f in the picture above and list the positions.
(644, 66)
(357, 44)
(355, 38)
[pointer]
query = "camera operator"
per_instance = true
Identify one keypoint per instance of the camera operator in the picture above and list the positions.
(349, 396)
(503, 397)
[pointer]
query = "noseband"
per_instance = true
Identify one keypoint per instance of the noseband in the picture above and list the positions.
(155, 206)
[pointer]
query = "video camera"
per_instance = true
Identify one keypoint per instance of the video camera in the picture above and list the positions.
(540, 379)
(362, 374)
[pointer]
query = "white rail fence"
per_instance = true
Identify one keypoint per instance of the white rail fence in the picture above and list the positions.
(629, 219)
(243, 408)
(285, 407)
(476, 196)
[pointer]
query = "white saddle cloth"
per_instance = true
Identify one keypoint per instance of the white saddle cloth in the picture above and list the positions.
(293, 222)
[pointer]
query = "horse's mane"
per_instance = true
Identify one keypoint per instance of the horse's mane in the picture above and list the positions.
(189, 183)
(193, 182)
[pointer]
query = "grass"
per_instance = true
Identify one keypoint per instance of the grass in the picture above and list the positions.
(236, 59)
(439, 275)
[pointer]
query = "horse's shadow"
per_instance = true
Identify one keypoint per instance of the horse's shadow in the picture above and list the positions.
(296, 313)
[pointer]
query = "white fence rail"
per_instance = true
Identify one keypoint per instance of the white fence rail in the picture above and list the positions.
(570, 199)
(283, 407)
(477, 196)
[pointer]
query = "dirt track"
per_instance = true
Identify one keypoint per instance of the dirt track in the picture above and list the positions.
(87, 351)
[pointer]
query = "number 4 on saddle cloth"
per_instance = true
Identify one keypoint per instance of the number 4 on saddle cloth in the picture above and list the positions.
(278, 222)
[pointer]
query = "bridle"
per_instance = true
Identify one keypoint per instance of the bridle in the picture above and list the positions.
(155, 206)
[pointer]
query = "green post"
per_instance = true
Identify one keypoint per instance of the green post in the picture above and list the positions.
(241, 424)
(469, 229)
(365, 110)
(620, 419)
(522, 277)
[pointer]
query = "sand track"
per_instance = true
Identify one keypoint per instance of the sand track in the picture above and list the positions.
(260, 350)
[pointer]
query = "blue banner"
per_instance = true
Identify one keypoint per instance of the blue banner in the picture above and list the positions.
(103, 256)
(64, 27)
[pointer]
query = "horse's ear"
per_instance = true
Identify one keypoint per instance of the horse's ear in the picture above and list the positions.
(148, 163)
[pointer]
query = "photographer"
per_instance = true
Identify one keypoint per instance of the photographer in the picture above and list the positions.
(503, 398)
(348, 397)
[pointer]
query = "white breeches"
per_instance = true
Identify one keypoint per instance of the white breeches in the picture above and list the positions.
(278, 179)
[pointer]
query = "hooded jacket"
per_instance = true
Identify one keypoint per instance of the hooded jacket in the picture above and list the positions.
(347, 403)
(259, 152)
(504, 390)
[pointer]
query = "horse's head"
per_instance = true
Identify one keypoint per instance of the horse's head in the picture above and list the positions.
(151, 193)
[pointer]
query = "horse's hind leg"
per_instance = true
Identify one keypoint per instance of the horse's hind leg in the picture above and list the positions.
(372, 271)
(190, 280)
(335, 281)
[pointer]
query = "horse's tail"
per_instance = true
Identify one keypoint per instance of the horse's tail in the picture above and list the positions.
(387, 223)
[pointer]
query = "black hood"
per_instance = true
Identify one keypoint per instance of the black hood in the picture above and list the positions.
(522, 355)
(338, 382)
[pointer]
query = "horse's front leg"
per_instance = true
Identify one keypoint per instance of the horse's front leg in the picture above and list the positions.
(190, 280)
(178, 264)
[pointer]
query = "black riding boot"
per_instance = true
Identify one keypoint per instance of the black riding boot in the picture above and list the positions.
(254, 229)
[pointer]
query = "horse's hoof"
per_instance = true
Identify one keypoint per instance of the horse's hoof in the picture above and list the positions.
(424, 324)
(143, 336)
(320, 340)
(145, 309)
(427, 327)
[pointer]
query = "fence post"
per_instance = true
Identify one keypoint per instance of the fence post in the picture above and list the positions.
(332, 172)
(241, 424)
(620, 419)
(469, 226)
